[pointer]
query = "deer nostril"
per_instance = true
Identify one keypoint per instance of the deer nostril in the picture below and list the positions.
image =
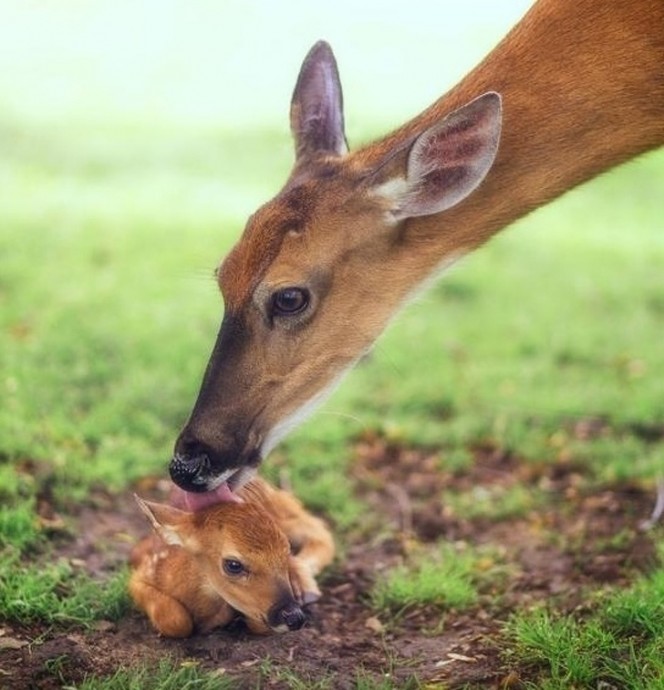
(294, 618)
(286, 614)
(188, 471)
(198, 467)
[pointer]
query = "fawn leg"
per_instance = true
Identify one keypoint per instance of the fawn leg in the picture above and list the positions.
(167, 615)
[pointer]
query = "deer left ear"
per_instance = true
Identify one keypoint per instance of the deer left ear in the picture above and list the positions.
(165, 520)
(316, 114)
(448, 161)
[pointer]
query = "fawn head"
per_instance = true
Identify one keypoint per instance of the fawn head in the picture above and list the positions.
(244, 556)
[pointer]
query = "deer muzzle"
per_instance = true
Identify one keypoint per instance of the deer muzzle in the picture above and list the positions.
(289, 615)
(197, 467)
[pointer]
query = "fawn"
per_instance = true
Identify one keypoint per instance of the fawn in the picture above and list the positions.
(258, 557)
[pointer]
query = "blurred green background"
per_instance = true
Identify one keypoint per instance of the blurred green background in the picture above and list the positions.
(232, 64)
(137, 137)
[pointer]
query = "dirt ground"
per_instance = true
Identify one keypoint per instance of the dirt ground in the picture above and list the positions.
(557, 553)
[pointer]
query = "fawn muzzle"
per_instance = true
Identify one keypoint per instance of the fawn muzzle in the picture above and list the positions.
(289, 615)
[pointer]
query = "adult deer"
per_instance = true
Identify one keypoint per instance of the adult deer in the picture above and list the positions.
(322, 267)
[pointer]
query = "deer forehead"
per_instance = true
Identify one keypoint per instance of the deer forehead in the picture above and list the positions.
(260, 243)
(267, 551)
(294, 215)
(242, 531)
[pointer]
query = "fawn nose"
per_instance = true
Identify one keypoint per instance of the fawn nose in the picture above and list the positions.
(294, 618)
(291, 615)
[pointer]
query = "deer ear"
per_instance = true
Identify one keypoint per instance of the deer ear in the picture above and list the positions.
(316, 113)
(165, 520)
(448, 161)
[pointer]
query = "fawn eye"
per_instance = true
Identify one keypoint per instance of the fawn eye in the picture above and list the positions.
(289, 301)
(233, 567)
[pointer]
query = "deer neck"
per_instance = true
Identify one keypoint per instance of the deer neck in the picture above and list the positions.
(578, 97)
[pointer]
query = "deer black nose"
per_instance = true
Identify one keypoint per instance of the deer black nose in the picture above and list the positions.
(198, 466)
(290, 615)
(294, 618)
(190, 472)
(193, 464)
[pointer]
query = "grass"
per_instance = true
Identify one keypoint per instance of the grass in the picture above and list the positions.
(496, 503)
(164, 676)
(18, 526)
(53, 593)
(365, 682)
(112, 224)
(446, 579)
(362, 681)
(620, 643)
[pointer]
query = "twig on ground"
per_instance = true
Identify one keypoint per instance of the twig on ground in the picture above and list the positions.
(658, 510)
(405, 507)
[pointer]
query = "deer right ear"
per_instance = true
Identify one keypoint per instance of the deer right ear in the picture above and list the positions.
(316, 114)
(446, 162)
(165, 520)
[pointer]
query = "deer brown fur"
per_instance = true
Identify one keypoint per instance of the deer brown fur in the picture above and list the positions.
(576, 88)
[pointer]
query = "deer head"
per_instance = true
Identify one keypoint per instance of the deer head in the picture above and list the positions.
(320, 270)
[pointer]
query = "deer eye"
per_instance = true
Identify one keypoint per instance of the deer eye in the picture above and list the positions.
(233, 567)
(289, 301)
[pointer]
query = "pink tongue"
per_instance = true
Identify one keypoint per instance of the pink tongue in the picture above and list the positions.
(186, 500)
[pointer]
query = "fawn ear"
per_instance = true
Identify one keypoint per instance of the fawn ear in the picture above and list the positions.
(316, 112)
(165, 520)
(446, 162)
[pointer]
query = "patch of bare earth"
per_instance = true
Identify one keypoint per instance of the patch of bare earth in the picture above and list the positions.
(577, 540)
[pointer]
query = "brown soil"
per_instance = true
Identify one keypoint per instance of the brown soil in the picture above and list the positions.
(577, 541)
